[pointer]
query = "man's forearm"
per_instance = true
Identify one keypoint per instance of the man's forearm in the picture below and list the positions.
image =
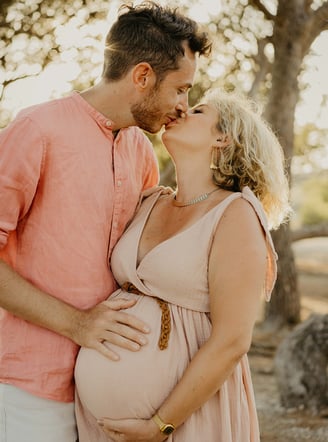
(26, 301)
(105, 323)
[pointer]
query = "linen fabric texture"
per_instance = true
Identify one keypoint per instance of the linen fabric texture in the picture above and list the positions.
(68, 189)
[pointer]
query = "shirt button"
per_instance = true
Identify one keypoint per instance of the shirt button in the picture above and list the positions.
(119, 183)
(108, 123)
(115, 225)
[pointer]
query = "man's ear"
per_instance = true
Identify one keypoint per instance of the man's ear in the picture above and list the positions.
(143, 76)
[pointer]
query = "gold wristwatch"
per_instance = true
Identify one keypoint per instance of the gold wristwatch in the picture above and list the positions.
(164, 428)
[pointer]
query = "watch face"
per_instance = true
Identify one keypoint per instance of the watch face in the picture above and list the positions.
(168, 429)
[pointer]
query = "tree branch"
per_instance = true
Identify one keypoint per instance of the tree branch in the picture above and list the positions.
(319, 22)
(264, 67)
(5, 83)
(321, 16)
(258, 5)
(310, 232)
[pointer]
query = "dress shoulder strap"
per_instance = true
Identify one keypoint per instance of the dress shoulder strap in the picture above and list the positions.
(248, 195)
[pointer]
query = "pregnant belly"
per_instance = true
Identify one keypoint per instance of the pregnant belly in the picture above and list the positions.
(137, 384)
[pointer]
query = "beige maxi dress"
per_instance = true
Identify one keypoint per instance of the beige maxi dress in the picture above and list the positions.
(137, 384)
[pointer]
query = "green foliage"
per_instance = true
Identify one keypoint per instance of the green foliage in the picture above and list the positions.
(243, 47)
(314, 206)
(160, 150)
(36, 34)
(309, 137)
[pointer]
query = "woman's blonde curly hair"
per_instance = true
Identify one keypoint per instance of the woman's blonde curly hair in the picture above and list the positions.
(253, 156)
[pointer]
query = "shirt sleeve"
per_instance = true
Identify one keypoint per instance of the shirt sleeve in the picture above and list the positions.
(21, 158)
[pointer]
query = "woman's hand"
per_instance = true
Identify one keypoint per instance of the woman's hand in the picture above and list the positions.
(132, 430)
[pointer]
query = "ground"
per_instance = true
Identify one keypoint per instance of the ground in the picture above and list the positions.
(276, 424)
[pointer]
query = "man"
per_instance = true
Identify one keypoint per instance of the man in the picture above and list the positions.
(71, 173)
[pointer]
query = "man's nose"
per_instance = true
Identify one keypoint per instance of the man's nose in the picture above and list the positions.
(182, 106)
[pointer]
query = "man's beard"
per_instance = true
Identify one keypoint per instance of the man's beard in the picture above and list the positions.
(146, 114)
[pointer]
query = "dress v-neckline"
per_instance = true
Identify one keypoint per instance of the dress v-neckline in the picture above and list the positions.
(179, 233)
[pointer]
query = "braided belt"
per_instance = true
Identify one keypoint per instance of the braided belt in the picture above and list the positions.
(165, 319)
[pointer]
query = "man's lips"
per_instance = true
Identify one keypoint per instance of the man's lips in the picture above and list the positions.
(171, 122)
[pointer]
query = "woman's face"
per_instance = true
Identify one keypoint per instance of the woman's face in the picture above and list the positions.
(197, 131)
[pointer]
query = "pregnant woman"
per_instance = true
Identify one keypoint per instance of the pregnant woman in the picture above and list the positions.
(197, 262)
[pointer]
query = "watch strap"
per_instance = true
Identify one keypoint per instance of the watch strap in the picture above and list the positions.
(165, 428)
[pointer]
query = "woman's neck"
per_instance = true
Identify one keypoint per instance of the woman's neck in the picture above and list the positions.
(193, 181)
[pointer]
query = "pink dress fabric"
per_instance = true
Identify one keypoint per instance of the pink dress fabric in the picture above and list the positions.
(136, 386)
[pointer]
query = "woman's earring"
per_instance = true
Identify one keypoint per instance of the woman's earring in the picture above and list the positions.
(215, 158)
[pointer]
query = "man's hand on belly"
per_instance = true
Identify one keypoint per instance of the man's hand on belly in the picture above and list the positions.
(106, 324)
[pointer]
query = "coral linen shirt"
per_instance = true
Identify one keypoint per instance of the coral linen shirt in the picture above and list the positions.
(68, 188)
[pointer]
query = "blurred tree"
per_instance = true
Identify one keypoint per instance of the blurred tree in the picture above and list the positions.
(35, 34)
(295, 26)
(309, 137)
(261, 47)
(284, 32)
(316, 191)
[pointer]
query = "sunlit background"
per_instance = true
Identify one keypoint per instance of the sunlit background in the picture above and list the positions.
(55, 80)
(50, 48)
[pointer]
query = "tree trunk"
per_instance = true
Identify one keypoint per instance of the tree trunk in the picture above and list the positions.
(288, 45)
(284, 307)
(316, 231)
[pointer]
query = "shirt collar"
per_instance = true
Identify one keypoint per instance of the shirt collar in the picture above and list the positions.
(94, 113)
